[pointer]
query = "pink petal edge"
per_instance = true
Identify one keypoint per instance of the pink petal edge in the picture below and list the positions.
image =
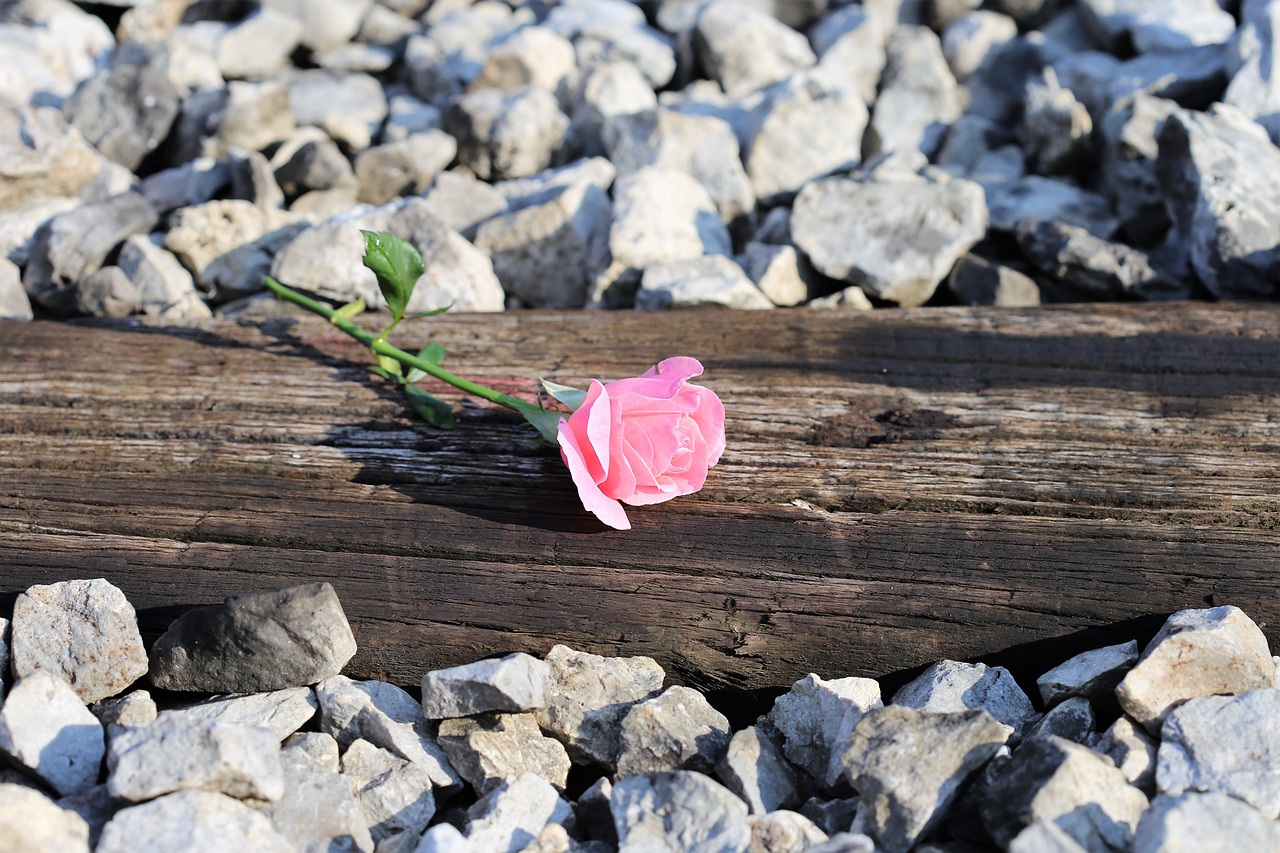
(595, 501)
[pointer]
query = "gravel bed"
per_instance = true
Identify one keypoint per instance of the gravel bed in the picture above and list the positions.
(159, 157)
(237, 731)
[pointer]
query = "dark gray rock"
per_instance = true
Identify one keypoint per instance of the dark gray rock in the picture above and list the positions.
(191, 183)
(832, 816)
(588, 695)
(1056, 130)
(1055, 780)
(310, 160)
(1196, 653)
(46, 729)
(977, 281)
(918, 98)
(1221, 177)
(951, 686)
(506, 133)
(126, 112)
(1226, 744)
(1093, 674)
(908, 765)
(895, 238)
(83, 631)
(680, 810)
(1072, 719)
(255, 642)
(252, 179)
(107, 292)
(485, 749)
(1095, 269)
(76, 243)
(1128, 154)
(516, 682)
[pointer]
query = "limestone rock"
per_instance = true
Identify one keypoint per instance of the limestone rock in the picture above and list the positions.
(744, 49)
(84, 631)
(679, 810)
(1166, 26)
(1092, 674)
(385, 716)
(851, 51)
(127, 111)
(780, 272)
(1128, 154)
(30, 822)
(516, 682)
(461, 202)
(755, 769)
(1227, 744)
(45, 728)
(165, 288)
(815, 718)
(918, 96)
(1196, 653)
(587, 697)
(1072, 719)
(1055, 780)
(1133, 750)
(658, 215)
(1252, 63)
(190, 820)
(711, 280)
(506, 133)
(327, 259)
(258, 46)
(107, 292)
(349, 107)
(908, 765)
(255, 642)
(1041, 199)
(613, 89)
(405, 167)
(14, 303)
(675, 730)
(176, 754)
(969, 41)
(281, 712)
(1204, 823)
(546, 254)
(531, 56)
(1056, 128)
(549, 183)
(950, 686)
(977, 281)
(318, 812)
(1093, 268)
(487, 748)
(320, 747)
(395, 795)
(783, 831)
(515, 813)
(896, 239)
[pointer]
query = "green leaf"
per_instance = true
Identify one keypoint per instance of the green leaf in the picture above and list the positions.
(389, 364)
(432, 353)
(571, 397)
(397, 265)
(433, 312)
(348, 311)
(432, 409)
(545, 422)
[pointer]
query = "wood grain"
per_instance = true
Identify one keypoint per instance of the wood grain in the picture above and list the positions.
(899, 486)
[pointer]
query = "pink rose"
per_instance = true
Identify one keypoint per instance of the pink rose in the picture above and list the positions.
(643, 440)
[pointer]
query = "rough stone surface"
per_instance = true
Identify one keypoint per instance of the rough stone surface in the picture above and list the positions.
(281, 712)
(896, 239)
(395, 795)
(487, 748)
(949, 686)
(1093, 268)
(711, 280)
(781, 273)
(1055, 780)
(546, 254)
(348, 107)
(1167, 26)
(679, 810)
(255, 642)
(83, 631)
(1128, 154)
(744, 49)
(703, 146)
(1196, 653)
(176, 754)
(165, 288)
(918, 96)
(783, 831)
(1229, 744)
(107, 292)
(1219, 173)
(675, 730)
(658, 215)
(14, 303)
(587, 697)
(1072, 719)
(45, 728)
(908, 765)
(613, 89)
(549, 183)
(132, 709)
(1057, 130)
(1204, 823)
(969, 40)
(516, 682)
(506, 133)
(327, 259)
(977, 281)
(258, 46)
(321, 747)
(1133, 750)
(1092, 674)
(191, 820)
(318, 812)
(126, 112)
(532, 56)
(462, 203)
(754, 768)
(404, 167)
(30, 822)
(515, 813)
(385, 716)
(1041, 199)
(816, 716)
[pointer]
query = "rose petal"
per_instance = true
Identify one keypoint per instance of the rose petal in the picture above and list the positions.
(604, 507)
(599, 412)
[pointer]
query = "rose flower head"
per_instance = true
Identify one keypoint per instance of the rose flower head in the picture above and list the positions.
(642, 440)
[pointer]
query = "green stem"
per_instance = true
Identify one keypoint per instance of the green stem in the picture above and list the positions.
(381, 347)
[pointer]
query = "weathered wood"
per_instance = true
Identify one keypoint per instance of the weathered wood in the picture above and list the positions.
(899, 486)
